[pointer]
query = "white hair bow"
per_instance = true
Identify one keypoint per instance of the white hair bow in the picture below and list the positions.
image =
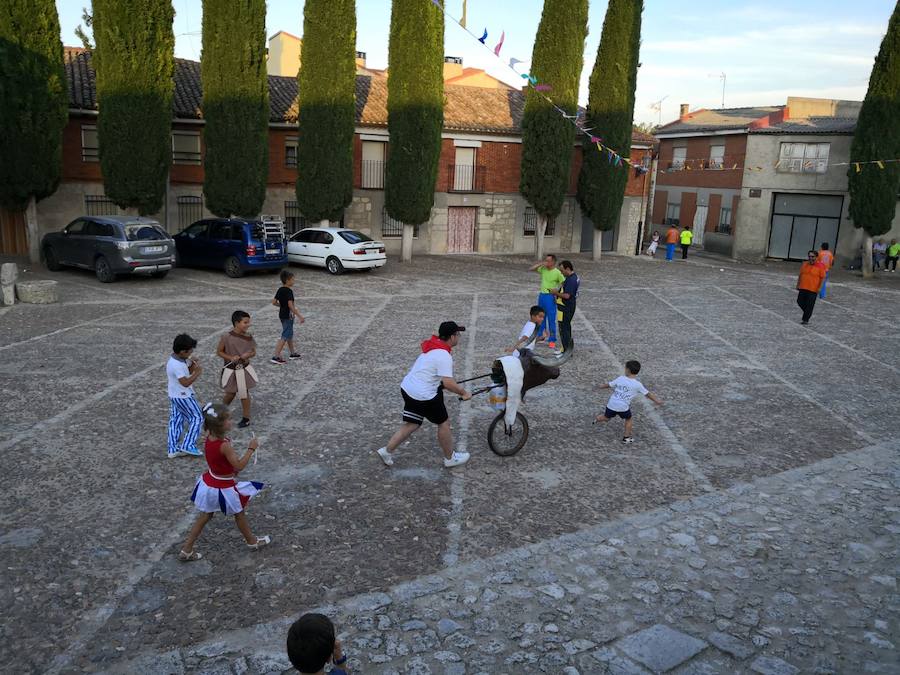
(209, 410)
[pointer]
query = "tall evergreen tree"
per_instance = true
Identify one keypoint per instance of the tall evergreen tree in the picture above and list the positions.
(415, 113)
(34, 99)
(547, 137)
(327, 96)
(134, 61)
(235, 106)
(610, 111)
(873, 190)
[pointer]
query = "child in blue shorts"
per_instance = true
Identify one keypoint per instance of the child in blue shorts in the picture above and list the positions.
(284, 299)
(625, 388)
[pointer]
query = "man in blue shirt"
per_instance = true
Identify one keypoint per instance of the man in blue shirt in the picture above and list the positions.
(565, 301)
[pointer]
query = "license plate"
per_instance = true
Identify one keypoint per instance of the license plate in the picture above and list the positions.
(153, 249)
(272, 251)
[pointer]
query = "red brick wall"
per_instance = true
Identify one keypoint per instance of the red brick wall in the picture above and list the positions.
(715, 210)
(191, 174)
(697, 155)
(72, 166)
(279, 174)
(688, 208)
(502, 162)
(659, 207)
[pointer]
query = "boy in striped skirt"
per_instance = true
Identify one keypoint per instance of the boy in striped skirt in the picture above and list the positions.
(182, 372)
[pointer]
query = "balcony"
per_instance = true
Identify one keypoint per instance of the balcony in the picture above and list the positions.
(372, 175)
(465, 178)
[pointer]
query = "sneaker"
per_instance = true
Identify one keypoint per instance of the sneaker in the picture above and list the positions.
(628, 439)
(260, 542)
(551, 344)
(278, 361)
(244, 423)
(294, 355)
(177, 453)
(386, 457)
(193, 452)
(458, 459)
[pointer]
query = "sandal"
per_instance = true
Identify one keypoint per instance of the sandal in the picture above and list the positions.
(260, 542)
(184, 556)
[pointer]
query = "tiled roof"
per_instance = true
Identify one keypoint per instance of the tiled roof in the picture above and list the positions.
(811, 125)
(723, 119)
(467, 109)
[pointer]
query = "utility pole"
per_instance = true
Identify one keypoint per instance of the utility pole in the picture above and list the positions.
(722, 77)
(657, 106)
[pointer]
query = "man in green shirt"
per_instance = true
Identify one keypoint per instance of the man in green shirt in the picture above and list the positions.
(893, 253)
(551, 279)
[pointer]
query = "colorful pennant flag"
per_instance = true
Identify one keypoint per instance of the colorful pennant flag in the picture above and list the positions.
(462, 20)
(858, 169)
(513, 62)
(543, 87)
(880, 164)
(483, 37)
(437, 4)
(500, 44)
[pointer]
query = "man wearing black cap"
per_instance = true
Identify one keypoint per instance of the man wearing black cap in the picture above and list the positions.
(423, 395)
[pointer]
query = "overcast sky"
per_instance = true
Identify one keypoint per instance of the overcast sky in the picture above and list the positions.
(768, 49)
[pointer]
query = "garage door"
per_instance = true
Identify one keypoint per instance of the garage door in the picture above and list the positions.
(801, 223)
(13, 236)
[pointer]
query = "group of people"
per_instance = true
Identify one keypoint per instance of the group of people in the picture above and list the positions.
(885, 256)
(674, 236)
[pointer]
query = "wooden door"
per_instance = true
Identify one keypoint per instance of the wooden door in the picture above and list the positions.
(461, 221)
(13, 234)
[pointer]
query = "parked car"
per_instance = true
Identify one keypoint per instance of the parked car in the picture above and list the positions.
(111, 245)
(336, 249)
(232, 244)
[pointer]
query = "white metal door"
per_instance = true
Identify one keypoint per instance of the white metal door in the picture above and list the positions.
(699, 224)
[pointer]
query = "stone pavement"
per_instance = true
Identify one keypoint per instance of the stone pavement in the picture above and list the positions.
(92, 514)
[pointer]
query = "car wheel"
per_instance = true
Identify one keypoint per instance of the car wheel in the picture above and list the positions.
(51, 261)
(159, 275)
(233, 268)
(103, 270)
(334, 265)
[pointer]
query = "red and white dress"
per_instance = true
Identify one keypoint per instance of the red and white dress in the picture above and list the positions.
(216, 489)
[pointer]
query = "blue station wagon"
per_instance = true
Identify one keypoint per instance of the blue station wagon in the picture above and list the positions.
(233, 245)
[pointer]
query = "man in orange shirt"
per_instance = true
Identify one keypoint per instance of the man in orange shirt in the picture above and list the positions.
(671, 241)
(826, 258)
(811, 280)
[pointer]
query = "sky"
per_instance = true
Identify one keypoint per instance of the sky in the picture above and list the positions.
(767, 49)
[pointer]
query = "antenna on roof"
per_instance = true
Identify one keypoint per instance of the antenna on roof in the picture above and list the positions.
(657, 107)
(722, 77)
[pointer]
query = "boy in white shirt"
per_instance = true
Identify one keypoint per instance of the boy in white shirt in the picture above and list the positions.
(182, 372)
(625, 388)
(536, 318)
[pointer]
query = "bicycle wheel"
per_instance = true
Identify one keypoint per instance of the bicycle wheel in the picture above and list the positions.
(506, 441)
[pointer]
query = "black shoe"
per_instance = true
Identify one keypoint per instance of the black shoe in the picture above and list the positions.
(244, 423)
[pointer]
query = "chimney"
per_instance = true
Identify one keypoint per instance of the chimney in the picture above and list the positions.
(684, 107)
(453, 66)
(360, 59)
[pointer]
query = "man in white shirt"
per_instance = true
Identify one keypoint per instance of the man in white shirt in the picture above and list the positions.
(423, 395)
(182, 372)
(625, 388)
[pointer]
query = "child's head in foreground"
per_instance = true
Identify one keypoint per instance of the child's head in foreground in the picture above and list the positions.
(310, 642)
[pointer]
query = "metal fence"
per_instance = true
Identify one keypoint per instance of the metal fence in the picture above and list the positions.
(531, 220)
(100, 205)
(391, 227)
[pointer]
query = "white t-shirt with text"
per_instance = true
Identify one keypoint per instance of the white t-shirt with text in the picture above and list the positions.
(175, 370)
(424, 378)
(624, 390)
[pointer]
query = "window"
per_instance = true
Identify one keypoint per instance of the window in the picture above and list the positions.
(531, 220)
(353, 237)
(464, 170)
(678, 157)
(290, 152)
(293, 221)
(185, 147)
(197, 230)
(673, 214)
(716, 156)
(372, 165)
(100, 205)
(724, 225)
(225, 231)
(90, 146)
(95, 229)
(144, 233)
(304, 236)
(391, 227)
(190, 210)
(75, 227)
(803, 157)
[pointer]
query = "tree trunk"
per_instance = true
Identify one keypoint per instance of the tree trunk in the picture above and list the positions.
(325, 223)
(406, 243)
(867, 256)
(31, 229)
(539, 230)
(598, 244)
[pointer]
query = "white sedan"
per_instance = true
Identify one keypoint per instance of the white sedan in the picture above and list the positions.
(335, 249)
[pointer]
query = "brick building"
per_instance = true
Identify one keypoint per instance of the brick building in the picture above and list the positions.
(476, 193)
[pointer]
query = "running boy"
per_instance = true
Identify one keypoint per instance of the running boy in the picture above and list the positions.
(182, 372)
(536, 317)
(625, 387)
(284, 299)
(311, 643)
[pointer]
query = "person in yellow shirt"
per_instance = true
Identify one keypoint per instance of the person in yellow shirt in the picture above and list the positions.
(686, 238)
(893, 253)
(826, 258)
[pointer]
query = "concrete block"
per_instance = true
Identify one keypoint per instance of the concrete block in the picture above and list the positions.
(37, 292)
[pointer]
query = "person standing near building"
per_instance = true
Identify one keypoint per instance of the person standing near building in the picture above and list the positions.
(879, 250)
(671, 241)
(551, 280)
(893, 253)
(565, 299)
(686, 238)
(826, 258)
(809, 283)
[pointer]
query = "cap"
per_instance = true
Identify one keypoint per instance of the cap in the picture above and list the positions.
(449, 328)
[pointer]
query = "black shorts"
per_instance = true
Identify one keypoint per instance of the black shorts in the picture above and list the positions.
(624, 414)
(433, 410)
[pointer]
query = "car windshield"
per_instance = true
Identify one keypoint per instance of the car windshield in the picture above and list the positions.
(354, 237)
(143, 232)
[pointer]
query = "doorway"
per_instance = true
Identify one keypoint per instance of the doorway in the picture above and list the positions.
(461, 223)
(801, 223)
(13, 233)
(587, 237)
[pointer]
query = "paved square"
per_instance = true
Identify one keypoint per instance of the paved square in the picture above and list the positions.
(756, 516)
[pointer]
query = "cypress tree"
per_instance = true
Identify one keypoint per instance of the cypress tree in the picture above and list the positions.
(235, 106)
(415, 113)
(34, 99)
(873, 190)
(327, 115)
(547, 137)
(601, 184)
(133, 62)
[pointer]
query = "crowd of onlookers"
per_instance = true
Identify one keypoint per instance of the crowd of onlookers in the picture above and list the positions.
(884, 256)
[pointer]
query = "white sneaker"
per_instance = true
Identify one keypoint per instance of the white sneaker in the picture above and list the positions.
(386, 457)
(458, 459)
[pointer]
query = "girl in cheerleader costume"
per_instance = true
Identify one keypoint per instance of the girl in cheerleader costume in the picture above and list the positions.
(218, 489)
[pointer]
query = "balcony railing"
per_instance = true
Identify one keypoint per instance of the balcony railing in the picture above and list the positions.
(466, 178)
(372, 177)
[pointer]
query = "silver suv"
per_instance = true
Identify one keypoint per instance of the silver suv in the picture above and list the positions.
(111, 245)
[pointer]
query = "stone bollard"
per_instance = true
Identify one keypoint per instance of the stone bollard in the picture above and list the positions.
(37, 292)
(9, 273)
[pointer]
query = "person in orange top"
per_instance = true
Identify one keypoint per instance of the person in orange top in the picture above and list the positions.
(671, 240)
(826, 258)
(810, 281)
